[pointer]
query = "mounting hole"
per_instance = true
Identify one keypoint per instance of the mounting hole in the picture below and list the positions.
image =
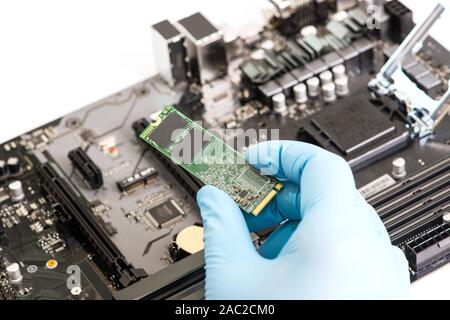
(73, 123)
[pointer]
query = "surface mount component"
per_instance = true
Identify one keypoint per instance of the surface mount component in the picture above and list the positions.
(165, 214)
(209, 159)
(423, 110)
(170, 52)
(205, 48)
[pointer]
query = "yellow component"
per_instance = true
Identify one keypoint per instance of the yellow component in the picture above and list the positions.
(51, 264)
(278, 186)
(264, 203)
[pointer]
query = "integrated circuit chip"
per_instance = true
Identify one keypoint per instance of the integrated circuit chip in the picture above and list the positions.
(210, 160)
(165, 136)
(165, 214)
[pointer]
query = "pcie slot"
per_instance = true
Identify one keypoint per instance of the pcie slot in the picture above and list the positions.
(412, 182)
(413, 197)
(74, 206)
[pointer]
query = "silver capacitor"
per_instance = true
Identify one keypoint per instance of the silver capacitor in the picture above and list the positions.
(339, 71)
(342, 88)
(300, 93)
(399, 168)
(326, 77)
(279, 103)
(313, 85)
(329, 92)
(14, 274)
(16, 191)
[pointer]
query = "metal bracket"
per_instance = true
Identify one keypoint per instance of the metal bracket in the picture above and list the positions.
(423, 111)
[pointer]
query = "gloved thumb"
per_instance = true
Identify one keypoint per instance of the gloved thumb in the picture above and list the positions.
(226, 235)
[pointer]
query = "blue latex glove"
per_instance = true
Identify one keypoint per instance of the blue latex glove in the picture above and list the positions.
(330, 243)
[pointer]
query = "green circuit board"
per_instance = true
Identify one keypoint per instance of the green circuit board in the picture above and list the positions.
(211, 160)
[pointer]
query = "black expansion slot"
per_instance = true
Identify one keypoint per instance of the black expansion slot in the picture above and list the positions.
(416, 213)
(86, 167)
(74, 208)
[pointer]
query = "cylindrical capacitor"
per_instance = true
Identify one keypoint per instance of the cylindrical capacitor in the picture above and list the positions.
(13, 164)
(3, 169)
(14, 274)
(300, 93)
(16, 191)
(342, 88)
(279, 103)
(399, 168)
(313, 87)
(308, 31)
(76, 293)
(326, 77)
(329, 92)
(339, 71)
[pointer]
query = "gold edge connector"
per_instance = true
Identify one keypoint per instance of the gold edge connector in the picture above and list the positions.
(264, 203)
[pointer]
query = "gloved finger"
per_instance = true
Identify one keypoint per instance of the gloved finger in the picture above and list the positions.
(325, 176)
(402, 270)
(226, 235)
(273, 245)
(285, 206)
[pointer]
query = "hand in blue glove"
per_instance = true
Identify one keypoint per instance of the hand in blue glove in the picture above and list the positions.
(330, 244)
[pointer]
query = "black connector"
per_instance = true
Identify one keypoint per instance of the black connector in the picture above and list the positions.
(401, 20)
(415, 213)
(74, 210)
(88, 169)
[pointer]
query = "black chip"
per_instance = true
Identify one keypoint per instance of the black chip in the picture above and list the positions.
(353, 124)
(165, 133)
(165, 214)
(192, 145)
(243, 193)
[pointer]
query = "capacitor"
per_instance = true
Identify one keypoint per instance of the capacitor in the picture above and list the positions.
(13, 164)
(279, 103)
(300, 93)
(326, 77)
(342, 88)
(308, 31)
(14, 274)
(339, 71)
(313, 87)
(446, 217)
(76, 293)
(267, 45)
(329, 92)
(16, 191)
(258, 54)
(399, 168)
(3, 169)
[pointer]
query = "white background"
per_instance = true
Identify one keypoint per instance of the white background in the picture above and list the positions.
(57, 56)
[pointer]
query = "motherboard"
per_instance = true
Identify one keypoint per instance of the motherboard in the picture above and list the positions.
(90, 211)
